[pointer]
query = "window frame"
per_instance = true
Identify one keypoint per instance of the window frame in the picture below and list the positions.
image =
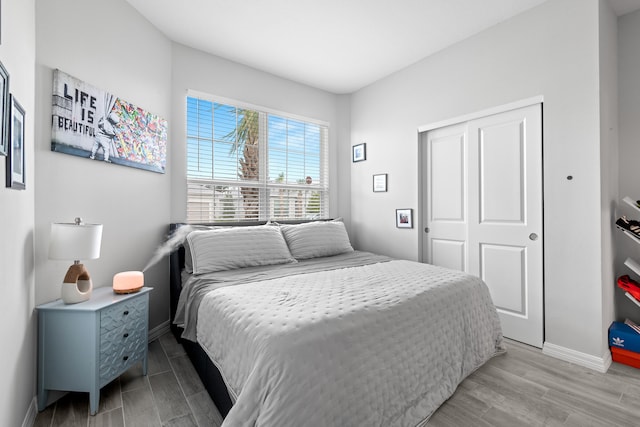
(265, 188)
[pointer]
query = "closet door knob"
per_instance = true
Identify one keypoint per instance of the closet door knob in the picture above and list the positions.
(533, 236)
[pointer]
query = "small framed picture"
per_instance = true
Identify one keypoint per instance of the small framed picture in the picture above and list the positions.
(404, 218)
(359, 152)
(4, 110)
(15, 153)
(380, 183)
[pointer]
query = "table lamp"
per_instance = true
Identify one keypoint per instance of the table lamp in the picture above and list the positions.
(75, 242)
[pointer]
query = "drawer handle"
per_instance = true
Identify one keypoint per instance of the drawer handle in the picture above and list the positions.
(126, 335)
(125, 358)
(126, 312)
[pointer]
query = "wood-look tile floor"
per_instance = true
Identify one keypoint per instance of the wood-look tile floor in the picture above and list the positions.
(520, 388)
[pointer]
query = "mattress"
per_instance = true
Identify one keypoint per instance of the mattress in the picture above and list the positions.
(351, 340)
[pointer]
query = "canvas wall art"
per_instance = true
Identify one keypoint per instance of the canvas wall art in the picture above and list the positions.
(92, 123)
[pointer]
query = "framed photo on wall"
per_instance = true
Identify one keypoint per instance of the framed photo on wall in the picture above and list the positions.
(15, 153)
(4, 110)
(359, 152)
(380, 183)
(404, 218)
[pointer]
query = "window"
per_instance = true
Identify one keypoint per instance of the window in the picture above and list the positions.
(248, 165)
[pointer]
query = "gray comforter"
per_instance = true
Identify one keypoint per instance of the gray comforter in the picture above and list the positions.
(379, 344)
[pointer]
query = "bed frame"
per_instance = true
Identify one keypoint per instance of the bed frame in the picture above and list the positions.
(207, 371)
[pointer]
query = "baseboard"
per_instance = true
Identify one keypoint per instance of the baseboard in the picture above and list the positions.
(32, 411)
(159, 330)
(600, 364)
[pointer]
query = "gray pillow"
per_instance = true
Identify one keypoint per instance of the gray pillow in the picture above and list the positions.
(237, 247)
(316, 239)
(188, 265)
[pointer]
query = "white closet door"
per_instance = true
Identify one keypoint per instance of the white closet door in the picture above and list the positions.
(446, 201)
(502, 233)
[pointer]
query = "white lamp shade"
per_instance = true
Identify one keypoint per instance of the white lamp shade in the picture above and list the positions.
(75, 242)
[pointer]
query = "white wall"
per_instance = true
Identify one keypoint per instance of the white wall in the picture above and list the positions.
(551, 50)
(111, 46)
(196, 70)
(629, 104)
(18, 356)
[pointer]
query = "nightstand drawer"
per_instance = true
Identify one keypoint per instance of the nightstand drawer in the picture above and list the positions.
(119, 353)
(130, 312)
(122, 337)
(120, 328)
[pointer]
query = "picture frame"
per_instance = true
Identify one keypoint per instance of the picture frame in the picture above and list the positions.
(404, 218)
(15, 153)
(380, 183)
(359, 152)
(4, 110)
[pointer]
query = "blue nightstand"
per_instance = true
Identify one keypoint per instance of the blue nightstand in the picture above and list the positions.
(85, 346)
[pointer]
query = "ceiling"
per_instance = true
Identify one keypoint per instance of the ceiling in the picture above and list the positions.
(335, 45)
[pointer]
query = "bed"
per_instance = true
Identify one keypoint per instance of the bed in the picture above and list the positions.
(287, 325)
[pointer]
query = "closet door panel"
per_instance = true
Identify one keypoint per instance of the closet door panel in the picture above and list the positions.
(445, 203)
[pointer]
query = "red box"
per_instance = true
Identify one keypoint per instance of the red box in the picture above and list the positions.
(627, 357)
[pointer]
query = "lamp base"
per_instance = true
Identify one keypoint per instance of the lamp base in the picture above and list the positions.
(77, 285)
(73, 293)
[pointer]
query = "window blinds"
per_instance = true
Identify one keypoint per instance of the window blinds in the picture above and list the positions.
(244, 164)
